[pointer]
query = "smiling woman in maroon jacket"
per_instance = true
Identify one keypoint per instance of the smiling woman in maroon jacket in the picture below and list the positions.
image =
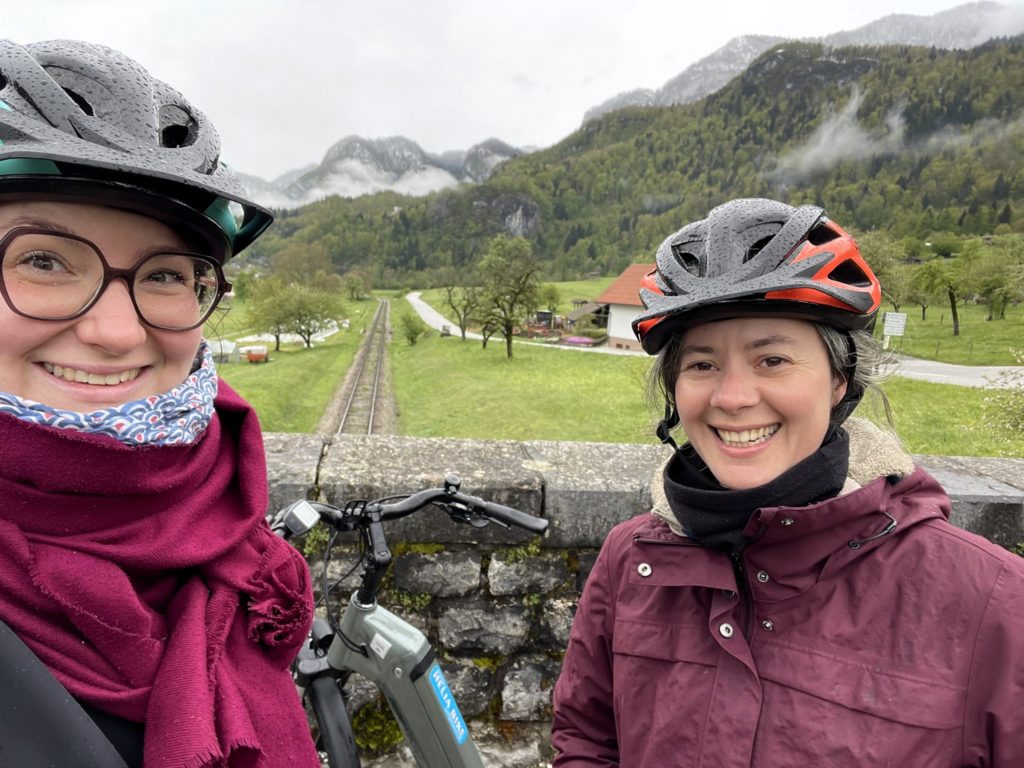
(797, 596)
(145, 606)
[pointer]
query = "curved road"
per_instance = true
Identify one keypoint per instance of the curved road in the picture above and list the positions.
(911, 368)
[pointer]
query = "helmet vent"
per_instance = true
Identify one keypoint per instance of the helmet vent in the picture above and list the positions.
(848, 273)
(174, 136)
(83, 105)
(3, 81)
(688, 261)
(756, 248)
(821, 235)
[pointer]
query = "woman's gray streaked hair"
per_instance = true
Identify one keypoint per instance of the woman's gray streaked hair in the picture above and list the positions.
(871, 366)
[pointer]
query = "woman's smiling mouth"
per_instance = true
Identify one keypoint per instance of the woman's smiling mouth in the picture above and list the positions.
(746, 437)
(84, 377)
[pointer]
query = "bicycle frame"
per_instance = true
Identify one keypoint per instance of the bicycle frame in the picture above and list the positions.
(398, 658)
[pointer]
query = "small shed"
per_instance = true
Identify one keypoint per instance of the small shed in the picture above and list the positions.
(224, 351)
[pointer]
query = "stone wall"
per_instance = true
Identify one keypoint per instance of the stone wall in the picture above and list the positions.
(497, 604)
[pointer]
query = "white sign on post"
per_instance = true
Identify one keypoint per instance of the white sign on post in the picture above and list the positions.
(895, 324)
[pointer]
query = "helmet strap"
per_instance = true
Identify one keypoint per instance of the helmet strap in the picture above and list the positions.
(842, 410)
(667, 424)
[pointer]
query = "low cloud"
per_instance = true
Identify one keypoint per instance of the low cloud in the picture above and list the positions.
(841, 138)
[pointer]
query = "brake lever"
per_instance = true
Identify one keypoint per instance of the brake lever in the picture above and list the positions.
(458, 513)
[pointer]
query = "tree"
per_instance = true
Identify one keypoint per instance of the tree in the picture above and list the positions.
(277, 307)
(268, 307)
(944, 277)
(311, 311)
(352, 285)
(464, 302)
(549, 298)
(510, 283)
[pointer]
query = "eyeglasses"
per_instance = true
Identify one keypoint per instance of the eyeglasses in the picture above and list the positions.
(46, 275)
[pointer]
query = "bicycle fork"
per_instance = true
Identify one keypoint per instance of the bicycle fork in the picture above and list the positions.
(398, 658)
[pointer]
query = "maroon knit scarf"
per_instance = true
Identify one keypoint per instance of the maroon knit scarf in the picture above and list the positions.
(149, 584)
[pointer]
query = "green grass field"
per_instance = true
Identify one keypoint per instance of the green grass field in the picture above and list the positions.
(446, 387)
(980, 342)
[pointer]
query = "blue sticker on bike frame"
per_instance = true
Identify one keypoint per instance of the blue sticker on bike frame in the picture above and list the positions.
(447, 702)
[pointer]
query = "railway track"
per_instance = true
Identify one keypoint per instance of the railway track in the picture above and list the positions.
(360, 413)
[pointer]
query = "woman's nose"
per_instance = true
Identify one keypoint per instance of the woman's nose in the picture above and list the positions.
(735, 389)
(112, 322)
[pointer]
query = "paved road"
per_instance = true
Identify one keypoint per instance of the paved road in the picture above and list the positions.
(911, 368)
(962, 375)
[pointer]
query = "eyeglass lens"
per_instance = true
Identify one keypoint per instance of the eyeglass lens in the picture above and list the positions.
(51, 277)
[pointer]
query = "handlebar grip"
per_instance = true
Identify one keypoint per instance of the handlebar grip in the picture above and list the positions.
(511, 516)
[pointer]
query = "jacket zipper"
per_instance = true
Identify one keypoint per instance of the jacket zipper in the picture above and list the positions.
(746, 598)
(677, 542)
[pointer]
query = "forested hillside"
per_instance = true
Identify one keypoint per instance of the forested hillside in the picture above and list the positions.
(912, 141)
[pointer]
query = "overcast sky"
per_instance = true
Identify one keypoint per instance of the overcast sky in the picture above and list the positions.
(283, 80)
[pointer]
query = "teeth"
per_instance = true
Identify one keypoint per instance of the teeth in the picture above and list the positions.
(83, 377)
(747, 436)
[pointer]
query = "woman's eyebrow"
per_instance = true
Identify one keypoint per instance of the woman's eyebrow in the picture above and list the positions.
(768, 341)
(30, 221)
(696, 349)
(764, 341)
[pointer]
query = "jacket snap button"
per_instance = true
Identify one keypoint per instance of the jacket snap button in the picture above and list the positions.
(644, 569)
(728, 594)
(788, 521)
(762, 576)
(725, 629)
(768, 625)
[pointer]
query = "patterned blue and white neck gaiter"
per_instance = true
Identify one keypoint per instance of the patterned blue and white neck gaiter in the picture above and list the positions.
(176, 417)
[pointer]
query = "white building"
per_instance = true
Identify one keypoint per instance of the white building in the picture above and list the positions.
(623, 300)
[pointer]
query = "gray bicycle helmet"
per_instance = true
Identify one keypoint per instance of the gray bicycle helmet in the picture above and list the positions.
(757, 256)
(83, 121)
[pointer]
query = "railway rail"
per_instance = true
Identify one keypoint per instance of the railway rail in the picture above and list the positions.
(359, 415)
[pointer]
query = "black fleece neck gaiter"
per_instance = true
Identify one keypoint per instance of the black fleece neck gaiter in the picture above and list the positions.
(716, 516)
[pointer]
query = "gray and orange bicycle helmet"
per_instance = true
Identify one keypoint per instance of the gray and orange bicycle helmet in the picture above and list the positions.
(758, 257)
(80, 121)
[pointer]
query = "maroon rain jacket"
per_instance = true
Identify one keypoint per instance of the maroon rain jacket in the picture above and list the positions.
(836, 641)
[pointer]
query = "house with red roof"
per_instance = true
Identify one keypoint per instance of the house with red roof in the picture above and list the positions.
(623, 300)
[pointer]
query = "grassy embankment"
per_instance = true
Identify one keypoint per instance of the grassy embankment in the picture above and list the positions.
(291, 391)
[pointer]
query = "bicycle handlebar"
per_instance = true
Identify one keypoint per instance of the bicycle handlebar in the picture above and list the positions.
(497, 512)
(302, 516)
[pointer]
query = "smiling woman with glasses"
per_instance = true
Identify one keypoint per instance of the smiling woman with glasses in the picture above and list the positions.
(144, 602)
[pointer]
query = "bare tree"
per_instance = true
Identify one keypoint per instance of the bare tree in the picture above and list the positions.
(464, 302)
(510, 282)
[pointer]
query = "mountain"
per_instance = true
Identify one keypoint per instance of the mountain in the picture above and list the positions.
(357, 166)
(913, 141)
(964, 26)
(696, 81)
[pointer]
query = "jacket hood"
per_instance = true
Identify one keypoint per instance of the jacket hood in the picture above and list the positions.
(874, 453)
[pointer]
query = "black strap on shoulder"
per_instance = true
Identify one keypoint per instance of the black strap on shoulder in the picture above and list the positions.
(41, 725)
